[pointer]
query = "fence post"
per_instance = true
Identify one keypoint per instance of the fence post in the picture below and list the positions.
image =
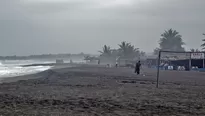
(190, 65)
(158, 64)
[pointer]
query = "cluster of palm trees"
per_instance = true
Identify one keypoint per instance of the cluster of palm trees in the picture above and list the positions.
(125, 50)
(194, 50)
(171, 40)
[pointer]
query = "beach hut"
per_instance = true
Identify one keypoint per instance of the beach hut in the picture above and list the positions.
(59, 61)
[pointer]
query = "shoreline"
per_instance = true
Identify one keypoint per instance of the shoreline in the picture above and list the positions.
(37, 75)
(51, 64)
(31, 76)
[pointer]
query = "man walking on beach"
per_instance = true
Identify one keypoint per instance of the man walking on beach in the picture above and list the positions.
(137, 67)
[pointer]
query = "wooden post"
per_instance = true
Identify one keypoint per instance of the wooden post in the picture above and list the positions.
(158, 64)
(190, 65)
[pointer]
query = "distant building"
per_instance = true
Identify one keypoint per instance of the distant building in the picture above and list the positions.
(104, 60)
(91, 60)
(59, 61)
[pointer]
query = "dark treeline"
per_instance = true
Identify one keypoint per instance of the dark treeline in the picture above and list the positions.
(43, 56)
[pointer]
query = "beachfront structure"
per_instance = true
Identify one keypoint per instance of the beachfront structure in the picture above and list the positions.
(177, 59)
(104, 60)
(91, 60)
(59, 61)
(120, 61)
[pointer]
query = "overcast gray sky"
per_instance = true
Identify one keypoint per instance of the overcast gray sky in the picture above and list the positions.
(74, 26)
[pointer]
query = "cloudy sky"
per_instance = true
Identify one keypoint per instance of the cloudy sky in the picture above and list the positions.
(74, 26)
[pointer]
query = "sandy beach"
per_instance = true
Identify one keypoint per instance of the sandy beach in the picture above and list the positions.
(100, 91)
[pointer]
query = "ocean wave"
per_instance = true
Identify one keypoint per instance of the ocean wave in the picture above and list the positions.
(18, 71)
(13, 68)
(10, 68)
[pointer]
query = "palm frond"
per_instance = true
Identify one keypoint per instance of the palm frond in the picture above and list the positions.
(171, 40)
(100, 52)
(203, 45)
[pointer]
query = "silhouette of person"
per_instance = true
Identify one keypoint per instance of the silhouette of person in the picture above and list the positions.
(137, 67)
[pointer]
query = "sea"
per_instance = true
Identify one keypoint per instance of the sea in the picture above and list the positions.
(12, 68)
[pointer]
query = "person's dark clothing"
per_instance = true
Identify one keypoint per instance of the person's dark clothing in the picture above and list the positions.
(137, 68)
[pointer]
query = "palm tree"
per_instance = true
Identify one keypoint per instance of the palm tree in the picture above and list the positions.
(194, 50)
(203, 45)
(142, 53)
(124, 48)
(156, 51)
(128, 50)
(90, 58)
(115, 52)
(86, 57)
(106, 50)
(171, 40)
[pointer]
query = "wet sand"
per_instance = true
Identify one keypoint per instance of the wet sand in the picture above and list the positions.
(99, 91)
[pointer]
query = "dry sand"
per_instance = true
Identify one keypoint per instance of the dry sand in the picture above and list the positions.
(97, 91)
